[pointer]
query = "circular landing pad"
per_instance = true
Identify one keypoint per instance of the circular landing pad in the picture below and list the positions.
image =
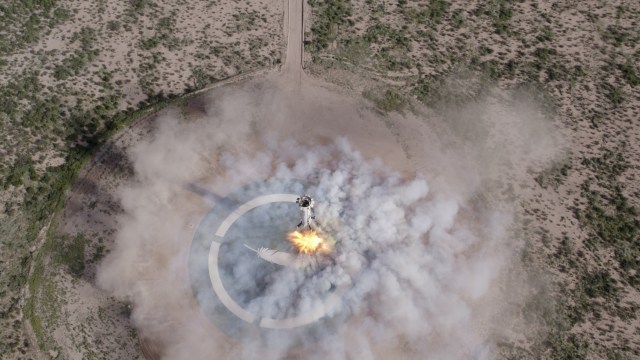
(239, 291)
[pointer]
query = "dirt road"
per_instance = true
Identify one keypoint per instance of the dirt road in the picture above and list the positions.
(293, 26)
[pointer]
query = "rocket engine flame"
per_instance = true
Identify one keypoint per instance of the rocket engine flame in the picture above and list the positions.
(308, 242)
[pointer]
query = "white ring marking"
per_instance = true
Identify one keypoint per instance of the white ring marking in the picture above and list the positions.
(222, 293)
(224, 296)
(214, 250)
(260, 200)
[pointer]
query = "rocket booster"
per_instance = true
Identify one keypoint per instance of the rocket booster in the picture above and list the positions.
(305, 204)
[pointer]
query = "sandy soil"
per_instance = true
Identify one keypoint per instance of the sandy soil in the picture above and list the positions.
(222, 39)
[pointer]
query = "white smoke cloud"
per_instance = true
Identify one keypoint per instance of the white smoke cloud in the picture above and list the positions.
(419, 262)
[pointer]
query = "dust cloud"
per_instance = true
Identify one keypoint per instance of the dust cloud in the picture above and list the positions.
(423, 238)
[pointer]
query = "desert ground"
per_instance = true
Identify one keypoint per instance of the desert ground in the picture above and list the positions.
(525, 110)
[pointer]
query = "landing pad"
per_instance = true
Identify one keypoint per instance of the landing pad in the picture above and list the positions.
(238, 291)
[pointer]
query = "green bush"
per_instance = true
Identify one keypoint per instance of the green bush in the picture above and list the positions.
(618, 36)
(554, 176)
(139, 5)
(613, 93)
(149, 43)
(329, 14)
(433, 14)
(382, 32)
(629, 73)
(22, 166)
(60, 15)
(61, 72)
(567, 346)
(71, 253)
(388, 101)
(113, 25)
(543, 55)
(500, 12)
(437, 10)
(609, 214)
(599, 284)
(457, 19)
(545, 35)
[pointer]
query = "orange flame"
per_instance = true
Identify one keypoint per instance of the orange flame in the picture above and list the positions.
(308, 242)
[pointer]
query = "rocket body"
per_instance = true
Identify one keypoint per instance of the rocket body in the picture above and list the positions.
(305, 204)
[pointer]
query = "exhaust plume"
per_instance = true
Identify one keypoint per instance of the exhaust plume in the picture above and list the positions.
(417, 255)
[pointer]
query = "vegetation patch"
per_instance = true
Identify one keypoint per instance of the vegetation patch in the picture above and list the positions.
(629, 73)
(554, 176)
(613, 93)
(21, 22)
(433, 14)
(387, 100)
(386, 33)
(567, 346)
(329, 15)
(610, 215)
(599, 284)
(71, 253)
(618, 36)
(500, 12)
(164, 35)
